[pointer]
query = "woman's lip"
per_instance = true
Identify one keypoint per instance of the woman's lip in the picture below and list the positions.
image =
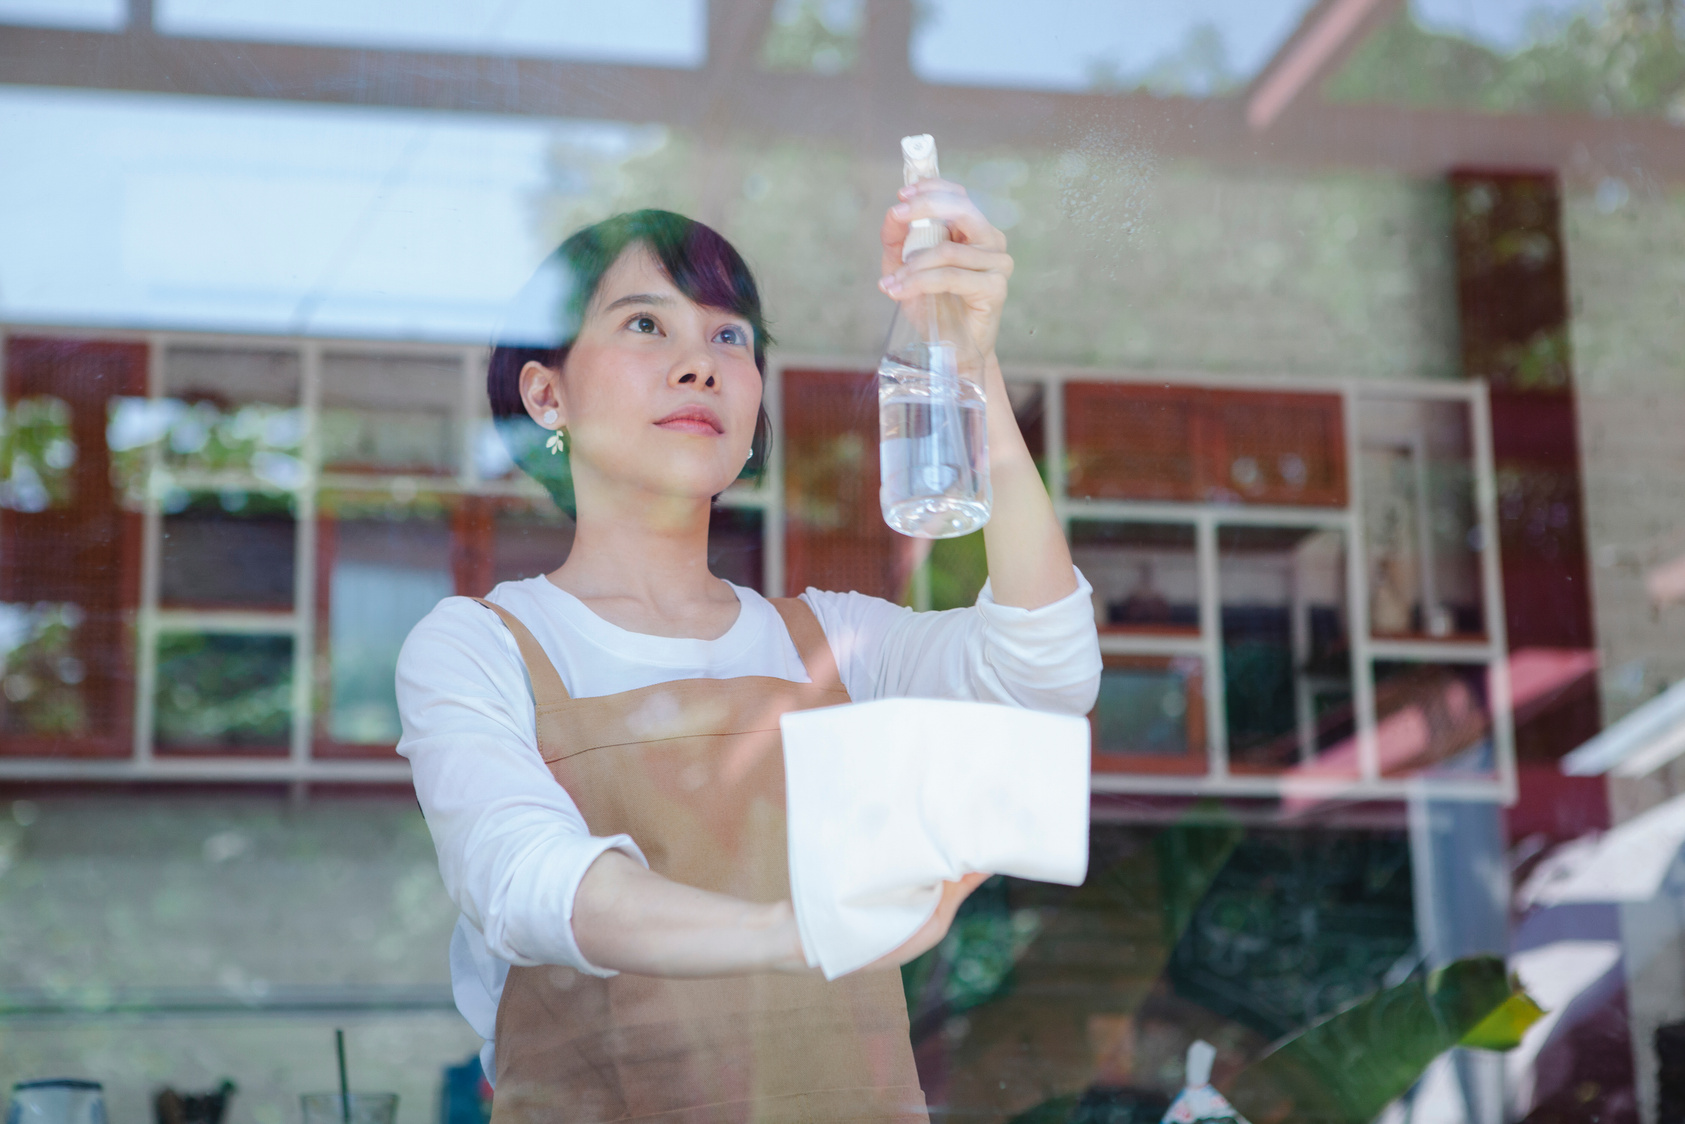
(693, 420)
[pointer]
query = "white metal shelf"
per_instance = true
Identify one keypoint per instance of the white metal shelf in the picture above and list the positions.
(300, 768)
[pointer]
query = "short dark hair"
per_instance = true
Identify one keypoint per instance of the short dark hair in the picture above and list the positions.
(543, 321)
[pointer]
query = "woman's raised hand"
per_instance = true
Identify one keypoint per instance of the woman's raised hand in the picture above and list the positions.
(973, 265)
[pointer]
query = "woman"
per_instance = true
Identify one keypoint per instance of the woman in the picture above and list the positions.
(596, 750)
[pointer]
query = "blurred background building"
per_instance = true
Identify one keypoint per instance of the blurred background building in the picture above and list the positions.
(1347, 333)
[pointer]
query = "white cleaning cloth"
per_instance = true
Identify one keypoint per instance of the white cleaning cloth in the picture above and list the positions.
(888, 799)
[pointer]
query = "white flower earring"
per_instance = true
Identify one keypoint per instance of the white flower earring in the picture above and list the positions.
(558, 440)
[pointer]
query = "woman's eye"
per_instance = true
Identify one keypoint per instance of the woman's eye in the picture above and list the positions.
(733, 335)
(643, 324)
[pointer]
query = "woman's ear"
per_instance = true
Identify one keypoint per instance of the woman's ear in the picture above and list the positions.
(541, 392)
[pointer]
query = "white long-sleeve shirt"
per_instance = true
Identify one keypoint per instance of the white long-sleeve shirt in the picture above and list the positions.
(512, 844)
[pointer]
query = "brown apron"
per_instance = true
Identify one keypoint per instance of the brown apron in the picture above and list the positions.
(693, 771)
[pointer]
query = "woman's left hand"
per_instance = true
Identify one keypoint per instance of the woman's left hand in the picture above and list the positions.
(930, 934)
(973, 264)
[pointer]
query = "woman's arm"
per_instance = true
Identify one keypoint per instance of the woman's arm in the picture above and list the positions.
(628, 918)
(1029, 561)
(516, 855)
(632, 920)
(1043, 659)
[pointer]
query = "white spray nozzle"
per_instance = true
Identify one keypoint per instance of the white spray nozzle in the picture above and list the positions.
(918, 162)
(918, 158)
(1200, 1056)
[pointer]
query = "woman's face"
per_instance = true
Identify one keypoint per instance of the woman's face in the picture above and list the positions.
(658, 393)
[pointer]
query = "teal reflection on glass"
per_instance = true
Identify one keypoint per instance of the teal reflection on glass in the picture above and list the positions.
(386, 576)
(1142, 711)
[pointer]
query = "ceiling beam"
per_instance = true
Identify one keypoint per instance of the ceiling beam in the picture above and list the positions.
(863, 111)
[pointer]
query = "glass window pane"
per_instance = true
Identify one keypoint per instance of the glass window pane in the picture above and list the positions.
(233, 549)
(1421, 528)
(233, 411)
(1145, 575)
(390, 413)
(1432, 719)
(1130, 442)
(70, 549)
(735, 546)
(1535, 57)
(818, 36)
(528, 539)
(1286, 655)
(221, 693)
(1133, 441)
(648, 33)
(1150, 715)
(92, 15)
(42, 678)
(384, 575)
(1197, 49)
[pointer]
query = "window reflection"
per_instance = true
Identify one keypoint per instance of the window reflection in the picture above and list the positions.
(1150, 716)
(229, 549)
(390, 413)
(1548, 55)
(223, 693)
(1341, 334)
(821, 36)
(655, 32)
(41, 691)
(234, 413)
(1433, 719)
(1145, 575)
(385, 567)
(1421, 531)
(1287, 677)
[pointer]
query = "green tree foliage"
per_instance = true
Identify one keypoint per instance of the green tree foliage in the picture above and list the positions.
(224, 691)
(37, 453)
(821, 36)
(1610, 57)
(40, 676)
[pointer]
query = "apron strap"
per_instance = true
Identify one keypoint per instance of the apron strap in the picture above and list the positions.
(547, 687)
(817, 657)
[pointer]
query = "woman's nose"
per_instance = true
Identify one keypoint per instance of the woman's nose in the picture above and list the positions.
(696, 369)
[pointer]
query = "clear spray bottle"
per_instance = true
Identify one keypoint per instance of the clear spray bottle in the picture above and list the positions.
(933, 444)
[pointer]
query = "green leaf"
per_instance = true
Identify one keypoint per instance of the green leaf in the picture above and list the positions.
(1503, 1028)
(1347, 1068)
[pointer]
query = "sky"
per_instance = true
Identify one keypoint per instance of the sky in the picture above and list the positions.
(235, 215)
(1053, 44)
(1503, 25)
(651, 32)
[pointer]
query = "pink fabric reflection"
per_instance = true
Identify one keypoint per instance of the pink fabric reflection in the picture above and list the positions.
(1432, 727)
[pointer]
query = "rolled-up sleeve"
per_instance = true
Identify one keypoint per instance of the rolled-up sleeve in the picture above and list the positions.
(1043, 659)
(512, 844)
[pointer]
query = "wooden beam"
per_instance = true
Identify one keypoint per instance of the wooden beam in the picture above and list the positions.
(863, 111)
(1324, 39)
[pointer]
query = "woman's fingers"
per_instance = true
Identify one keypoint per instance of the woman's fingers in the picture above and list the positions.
(954, 255)
(934, 184)
(962, 889)
(963, 254)
(936, 199)
(965, 222)
(981, 287)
